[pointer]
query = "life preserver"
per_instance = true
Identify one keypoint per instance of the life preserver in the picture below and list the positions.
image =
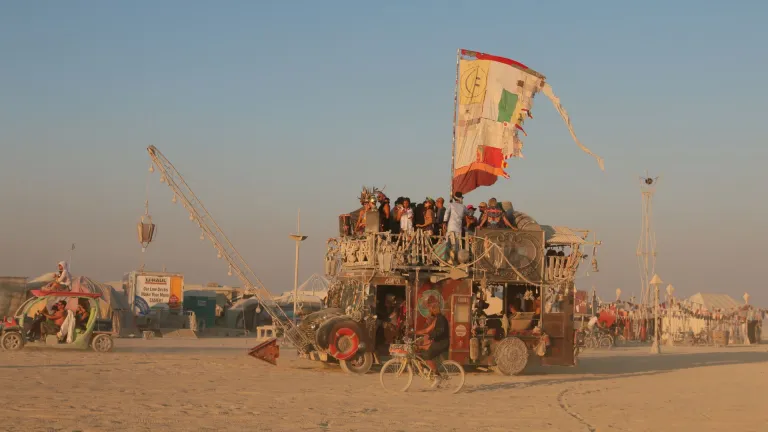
(348, 351)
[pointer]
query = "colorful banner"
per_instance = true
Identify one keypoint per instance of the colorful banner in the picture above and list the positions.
(494, 97)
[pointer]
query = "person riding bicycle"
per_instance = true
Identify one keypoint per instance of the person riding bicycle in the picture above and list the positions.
(592, 324)
(437, 340)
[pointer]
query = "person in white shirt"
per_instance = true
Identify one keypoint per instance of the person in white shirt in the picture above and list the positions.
(62, 281)
(592, 323)
(406, 217)
(454, 219)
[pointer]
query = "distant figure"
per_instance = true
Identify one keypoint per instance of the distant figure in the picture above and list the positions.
(63, 279)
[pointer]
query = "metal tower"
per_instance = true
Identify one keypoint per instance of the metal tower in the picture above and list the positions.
(646, 246)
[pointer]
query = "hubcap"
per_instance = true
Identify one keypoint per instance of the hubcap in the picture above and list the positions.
(103, 344)
(12, 341)
(345, 344)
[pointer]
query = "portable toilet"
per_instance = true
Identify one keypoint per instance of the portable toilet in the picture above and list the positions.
(203, 304)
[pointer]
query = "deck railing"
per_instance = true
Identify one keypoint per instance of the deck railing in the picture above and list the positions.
(386, 252)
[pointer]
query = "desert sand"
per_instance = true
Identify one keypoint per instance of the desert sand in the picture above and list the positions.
(210, 384)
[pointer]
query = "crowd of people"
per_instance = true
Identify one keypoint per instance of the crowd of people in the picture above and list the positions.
(432, 216)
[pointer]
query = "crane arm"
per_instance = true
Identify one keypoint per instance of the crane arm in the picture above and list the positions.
(226, 250)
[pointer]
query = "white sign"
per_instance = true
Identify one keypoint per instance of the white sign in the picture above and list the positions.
(154, 289)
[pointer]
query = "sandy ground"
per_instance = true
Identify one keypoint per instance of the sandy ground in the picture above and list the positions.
(210, 384)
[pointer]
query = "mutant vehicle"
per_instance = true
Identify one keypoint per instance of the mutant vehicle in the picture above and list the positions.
(509, 299)
(95, 333)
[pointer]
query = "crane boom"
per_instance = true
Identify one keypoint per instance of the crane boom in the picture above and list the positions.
(251, 283)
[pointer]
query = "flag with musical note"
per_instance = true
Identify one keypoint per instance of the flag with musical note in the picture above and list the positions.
(494, 98)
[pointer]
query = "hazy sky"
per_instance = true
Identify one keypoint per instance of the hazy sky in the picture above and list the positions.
(267, 107)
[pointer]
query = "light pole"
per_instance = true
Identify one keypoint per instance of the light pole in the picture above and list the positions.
(656, 347)
(672, 321)
(298, 238)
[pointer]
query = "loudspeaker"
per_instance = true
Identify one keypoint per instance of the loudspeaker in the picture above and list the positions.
(372, 221)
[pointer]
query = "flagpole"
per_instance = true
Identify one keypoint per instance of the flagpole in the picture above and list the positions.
(455, 110)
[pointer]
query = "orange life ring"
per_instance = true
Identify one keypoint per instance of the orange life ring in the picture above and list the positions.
(346, 354)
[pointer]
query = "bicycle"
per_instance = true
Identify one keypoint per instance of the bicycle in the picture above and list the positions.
(450, 376)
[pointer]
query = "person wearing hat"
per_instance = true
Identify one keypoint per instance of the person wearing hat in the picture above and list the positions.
(470, 221)
(454, 218)
(482, 207)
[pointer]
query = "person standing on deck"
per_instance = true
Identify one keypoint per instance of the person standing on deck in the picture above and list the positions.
(454, 219)
(406, 217)
(384, 212)
(440, 216)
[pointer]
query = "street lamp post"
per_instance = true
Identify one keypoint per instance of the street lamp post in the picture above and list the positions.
(672, 321)
(298, 238)
(656, 347)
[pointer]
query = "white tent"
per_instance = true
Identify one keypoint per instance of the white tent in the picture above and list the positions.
(714, 301)
(316, 287)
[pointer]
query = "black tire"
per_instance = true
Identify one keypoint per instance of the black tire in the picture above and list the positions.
(324, 331)
(360, 364)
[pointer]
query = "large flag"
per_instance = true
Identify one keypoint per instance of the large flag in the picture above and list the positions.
(494, 97)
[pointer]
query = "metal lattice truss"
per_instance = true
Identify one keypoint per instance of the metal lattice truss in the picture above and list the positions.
(226, 250)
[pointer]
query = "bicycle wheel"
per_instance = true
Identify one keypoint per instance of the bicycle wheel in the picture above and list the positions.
(590, 342)
(605, 342)
(396, 375)
(450, 377)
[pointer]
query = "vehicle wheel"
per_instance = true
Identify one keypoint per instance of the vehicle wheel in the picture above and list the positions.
(12, 341)
(511, 356)
(605, 342)
(451, 379)
(360, 364)
(102, 343)
(396, 375)
(590, 342)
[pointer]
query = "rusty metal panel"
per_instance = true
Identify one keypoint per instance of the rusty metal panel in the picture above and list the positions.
(267, 351)
(444, 292)
(460, 323)
(522, 249)
(559, 327)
